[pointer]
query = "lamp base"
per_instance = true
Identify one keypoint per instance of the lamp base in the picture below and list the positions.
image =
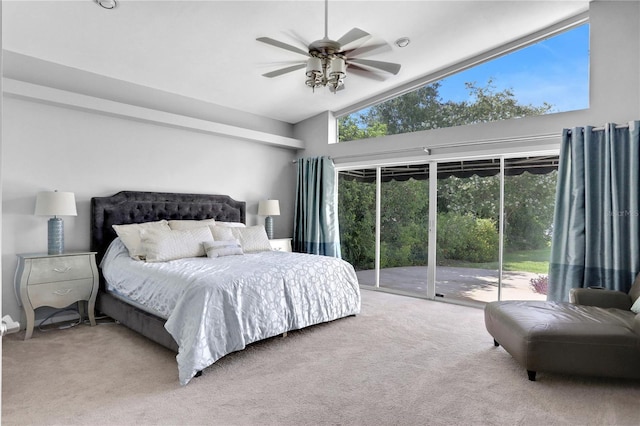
(55, 236)
(268, 226)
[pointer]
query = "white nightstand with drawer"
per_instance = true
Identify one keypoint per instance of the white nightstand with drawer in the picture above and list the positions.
(58, 281)
(281, 244)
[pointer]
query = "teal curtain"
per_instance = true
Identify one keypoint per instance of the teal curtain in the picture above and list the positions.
(315, 228)
(596, 228)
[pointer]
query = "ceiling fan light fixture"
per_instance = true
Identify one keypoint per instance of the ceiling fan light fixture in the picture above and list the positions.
(314, 72)
(314, 67)
(337, 73)
(338, 67)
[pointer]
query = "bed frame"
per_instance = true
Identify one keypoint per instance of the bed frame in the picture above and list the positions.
(136, 207)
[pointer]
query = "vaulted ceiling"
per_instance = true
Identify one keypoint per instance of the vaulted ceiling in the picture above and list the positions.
(207, 50)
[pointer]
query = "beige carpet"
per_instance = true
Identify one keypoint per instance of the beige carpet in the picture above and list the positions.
(403, 361)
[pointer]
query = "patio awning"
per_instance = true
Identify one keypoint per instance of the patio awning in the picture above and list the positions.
(461, 169)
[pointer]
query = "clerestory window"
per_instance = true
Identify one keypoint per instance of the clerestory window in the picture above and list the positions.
(547, 77)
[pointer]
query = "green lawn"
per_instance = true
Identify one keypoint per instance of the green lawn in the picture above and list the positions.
(535, 261)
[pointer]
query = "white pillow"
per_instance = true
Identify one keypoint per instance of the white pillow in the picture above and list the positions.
(222, 248)
(252, 238)
(161, 246)
(231, 224)
(130, 235)
(221, 233)
(190, 224)
(636, 306)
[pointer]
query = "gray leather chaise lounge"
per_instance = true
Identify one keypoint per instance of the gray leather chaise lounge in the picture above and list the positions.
(596, 334)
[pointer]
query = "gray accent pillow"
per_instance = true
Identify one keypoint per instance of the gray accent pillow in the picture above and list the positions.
(222, 248)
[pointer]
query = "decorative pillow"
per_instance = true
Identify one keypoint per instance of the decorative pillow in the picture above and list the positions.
(252, 238)
(634, 291)
(161, 246)
(222, 248)
(221, 233)
(130, 235)
(636, 306)
(190, 224)
(231, 224)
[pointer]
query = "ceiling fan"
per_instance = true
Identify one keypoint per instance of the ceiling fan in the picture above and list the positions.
(328, 60)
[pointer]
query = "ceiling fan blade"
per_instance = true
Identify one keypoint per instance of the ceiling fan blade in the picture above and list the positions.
(389, 67)
(353, 35)
(282, 45)
(297, 37)
(362, 72)
(378, 48)
(281, 71)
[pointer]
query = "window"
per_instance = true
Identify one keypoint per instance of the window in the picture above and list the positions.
(546, 77)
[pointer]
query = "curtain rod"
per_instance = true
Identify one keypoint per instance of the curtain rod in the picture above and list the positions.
(598, 129)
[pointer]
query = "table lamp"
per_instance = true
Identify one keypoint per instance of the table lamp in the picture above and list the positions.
(269, 208)
(56, 204)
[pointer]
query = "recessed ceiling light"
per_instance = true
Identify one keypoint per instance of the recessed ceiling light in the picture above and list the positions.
(107, 4)
(403, 42)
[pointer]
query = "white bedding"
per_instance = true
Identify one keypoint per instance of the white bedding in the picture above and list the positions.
(216, 306)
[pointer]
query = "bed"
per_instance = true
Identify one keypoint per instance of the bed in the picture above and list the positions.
(207, 307)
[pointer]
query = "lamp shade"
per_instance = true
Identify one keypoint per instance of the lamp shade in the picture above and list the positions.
(314, 67)
(54, 203)
(269, 208)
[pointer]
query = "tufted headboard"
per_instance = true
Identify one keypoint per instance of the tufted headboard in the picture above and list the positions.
(137, 207)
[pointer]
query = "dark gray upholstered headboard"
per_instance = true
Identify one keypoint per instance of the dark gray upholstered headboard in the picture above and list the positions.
(137, 207)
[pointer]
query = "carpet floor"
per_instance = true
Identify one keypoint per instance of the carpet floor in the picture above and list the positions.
(402, 361)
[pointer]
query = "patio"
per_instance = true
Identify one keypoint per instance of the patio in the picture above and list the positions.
(470, 284)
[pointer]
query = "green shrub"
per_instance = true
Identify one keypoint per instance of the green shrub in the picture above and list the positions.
(466, 238)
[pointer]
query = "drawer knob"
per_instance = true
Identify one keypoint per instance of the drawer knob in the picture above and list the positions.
(63, 292)
(62, 270)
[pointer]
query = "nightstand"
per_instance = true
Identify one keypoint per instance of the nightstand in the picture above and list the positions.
(56, 280)
(281, 244)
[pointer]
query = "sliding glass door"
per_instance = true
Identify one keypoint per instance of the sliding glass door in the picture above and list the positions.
(404, 231)
(529, 196)
(357, 216)
(473, 230)
(467, 231)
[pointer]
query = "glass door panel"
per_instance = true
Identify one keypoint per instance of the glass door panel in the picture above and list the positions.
(529, 198)
(357, 217)
(468, 216)
(404, 231)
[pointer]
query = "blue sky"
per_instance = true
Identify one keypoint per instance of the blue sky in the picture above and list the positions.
(555, 71)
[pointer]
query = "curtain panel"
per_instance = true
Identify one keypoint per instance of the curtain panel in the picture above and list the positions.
(596, 227)
(315, 228)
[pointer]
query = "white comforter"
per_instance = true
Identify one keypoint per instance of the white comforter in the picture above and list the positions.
(216, 306)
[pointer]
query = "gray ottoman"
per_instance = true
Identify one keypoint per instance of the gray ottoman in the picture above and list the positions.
(566, 338)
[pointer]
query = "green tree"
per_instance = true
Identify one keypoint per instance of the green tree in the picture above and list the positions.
(487, 104)
(424, 109)
(352, 127)
(418, 110)
(403, 222)
(356, 210)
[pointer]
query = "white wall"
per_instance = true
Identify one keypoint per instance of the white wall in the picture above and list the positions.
(614, 97)
(50, 147)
